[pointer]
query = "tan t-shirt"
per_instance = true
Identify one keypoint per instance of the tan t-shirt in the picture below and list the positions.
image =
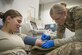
(9, 42)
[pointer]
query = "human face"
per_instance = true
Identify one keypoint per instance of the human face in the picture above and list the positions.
(59, 18)
(14, 24)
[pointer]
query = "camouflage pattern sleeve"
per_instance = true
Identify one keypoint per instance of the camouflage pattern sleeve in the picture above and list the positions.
(60, 31)
(76, 38)
(78, 18)
(73, 48)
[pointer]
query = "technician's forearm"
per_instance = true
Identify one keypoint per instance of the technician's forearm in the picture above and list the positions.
(76, 38)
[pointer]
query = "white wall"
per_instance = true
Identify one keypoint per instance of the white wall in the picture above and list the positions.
(44, 13)
(21, 5)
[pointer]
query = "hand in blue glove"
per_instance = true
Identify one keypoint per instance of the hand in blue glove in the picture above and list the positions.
(45, 37)
(48, 44)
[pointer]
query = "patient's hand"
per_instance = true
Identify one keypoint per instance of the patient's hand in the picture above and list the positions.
(38, 42)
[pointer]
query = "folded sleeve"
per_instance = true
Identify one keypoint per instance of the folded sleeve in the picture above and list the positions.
(30, 40)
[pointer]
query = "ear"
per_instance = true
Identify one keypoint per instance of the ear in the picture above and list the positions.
(8, 18)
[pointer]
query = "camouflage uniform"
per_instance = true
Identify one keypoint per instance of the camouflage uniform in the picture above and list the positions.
(71, 45)
(74, 48)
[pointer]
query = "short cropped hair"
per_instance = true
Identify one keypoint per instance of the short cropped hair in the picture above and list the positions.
(57, 8)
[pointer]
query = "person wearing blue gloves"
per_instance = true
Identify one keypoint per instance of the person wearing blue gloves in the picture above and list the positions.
(71, 19)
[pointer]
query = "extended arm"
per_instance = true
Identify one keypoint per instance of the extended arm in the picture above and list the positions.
(32, 41)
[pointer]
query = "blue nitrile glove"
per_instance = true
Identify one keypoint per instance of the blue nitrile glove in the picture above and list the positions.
(45, 37)
(48, 44)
